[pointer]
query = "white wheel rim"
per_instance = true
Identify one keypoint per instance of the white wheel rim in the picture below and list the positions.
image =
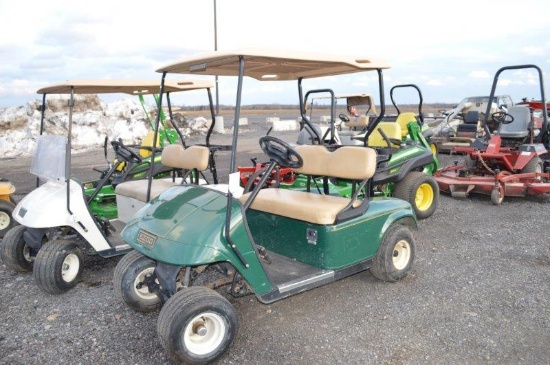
(204, 333)
(140, 285)
(70, 267)
(401, 254)
(4, 220)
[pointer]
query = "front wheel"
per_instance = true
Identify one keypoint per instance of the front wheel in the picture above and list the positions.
(58, 266)
(421, 190)
(197, 325)
(6, 220)
(130, 283)
(395, 256)
(16, 254)
(497, 196)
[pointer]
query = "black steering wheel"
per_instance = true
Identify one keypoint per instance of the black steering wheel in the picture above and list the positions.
(125, 153)
(281, 152)
(501, 117)
(344, 118)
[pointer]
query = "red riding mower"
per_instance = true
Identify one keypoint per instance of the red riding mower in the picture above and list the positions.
(514, 161)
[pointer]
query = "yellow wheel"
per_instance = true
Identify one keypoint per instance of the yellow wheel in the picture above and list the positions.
(433, 148)
(419, 189)
(424, 197)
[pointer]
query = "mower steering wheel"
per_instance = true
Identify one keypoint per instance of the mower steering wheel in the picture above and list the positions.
(281, 152)
(344, 118)
(502, 117)
(125, 153)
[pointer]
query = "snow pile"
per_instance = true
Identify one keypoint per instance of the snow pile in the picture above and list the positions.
(93, 120)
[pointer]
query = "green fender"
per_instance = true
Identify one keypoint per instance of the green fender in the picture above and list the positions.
(185, 226)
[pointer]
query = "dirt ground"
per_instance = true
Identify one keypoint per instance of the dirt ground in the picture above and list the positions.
(479, 293)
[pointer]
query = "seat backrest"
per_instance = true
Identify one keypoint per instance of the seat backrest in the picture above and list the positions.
(472, 117)
(347, 162)
(403, 119)
(391, 129)
(361, 121)
(148, 142)
(192, 157)
(520, 125)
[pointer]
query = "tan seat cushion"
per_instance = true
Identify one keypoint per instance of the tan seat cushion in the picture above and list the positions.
(309, 207)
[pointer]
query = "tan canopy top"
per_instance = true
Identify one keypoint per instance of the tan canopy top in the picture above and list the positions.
(271, 65)
(132, 87)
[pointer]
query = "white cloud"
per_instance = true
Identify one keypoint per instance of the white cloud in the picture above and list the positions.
(449, 56)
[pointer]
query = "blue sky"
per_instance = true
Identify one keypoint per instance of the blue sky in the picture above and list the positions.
(448, 51)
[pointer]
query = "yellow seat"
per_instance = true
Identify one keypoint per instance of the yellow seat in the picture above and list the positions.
(391, 129)
(148, 142)
(403, 119)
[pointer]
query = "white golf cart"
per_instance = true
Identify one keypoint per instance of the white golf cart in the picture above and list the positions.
(57, 222)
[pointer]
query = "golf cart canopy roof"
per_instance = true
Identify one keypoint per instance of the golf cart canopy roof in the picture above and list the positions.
(271, 65)
(132, 87)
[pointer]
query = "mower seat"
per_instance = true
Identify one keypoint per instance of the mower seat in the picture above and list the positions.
(403, 119)
(470, 125)
(391, 129)
(519, 128)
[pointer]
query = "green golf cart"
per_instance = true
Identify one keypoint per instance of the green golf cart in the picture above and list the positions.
(196, 248)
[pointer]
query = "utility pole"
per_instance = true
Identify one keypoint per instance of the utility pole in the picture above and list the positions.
(215, 49)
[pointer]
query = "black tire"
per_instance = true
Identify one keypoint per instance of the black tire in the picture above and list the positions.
(6, 219)
(129, 282)
(533, 166)
(419, 189)
(58, 266)
(395, 256)
(190, 311)
(16, 254)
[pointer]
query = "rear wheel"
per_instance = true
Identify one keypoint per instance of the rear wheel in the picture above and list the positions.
(197, 325)
(395, 256)
(6, 219)
(130, 283)
(421, 190)
(16, 254)
(58, 266)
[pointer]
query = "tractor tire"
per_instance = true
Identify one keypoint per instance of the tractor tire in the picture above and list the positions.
(16, 254)
(6, 220)
(533, 166)
(395, 256)
(130, 284)
(419, 189)
(58, 266)
(197, 325)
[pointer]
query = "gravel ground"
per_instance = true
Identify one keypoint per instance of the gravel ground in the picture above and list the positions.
(479, 293)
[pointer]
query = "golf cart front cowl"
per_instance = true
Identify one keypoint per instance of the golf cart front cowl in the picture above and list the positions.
(185, 226)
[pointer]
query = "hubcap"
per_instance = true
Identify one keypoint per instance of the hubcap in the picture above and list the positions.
(140, 283)
(70, 267)
(424, 197)
(401, 255)
(204, 333)
(4, 220)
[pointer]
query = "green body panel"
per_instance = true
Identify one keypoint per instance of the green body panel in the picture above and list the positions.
(336, 246)
(104, 204)
(188, 226)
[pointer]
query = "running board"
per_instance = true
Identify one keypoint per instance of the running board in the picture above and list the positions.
(115, 251)
(312, 281)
